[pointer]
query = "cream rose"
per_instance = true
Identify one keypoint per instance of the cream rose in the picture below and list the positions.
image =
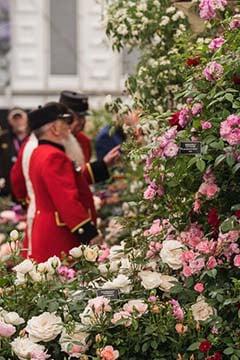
(90, 254)
(45, 327)
(150, 279)
(87, 316)
(23, 347)
(116, 252)
(121, 282)
(13, 318)
(201, 310)
(76, 252)
(52, 264)
(77, 337)
(167, 282)
(171, 253)
(14, 235)
(24, 267)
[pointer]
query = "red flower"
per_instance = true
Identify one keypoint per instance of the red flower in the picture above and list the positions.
(236, 79)
(237, 214)
(205, 346)
(193, 61)
(213, 218)
(175, 120)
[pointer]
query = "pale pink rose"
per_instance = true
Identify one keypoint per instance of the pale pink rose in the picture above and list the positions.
(104, 254)
(209, 176)
(213, 71)
(237, 260)
(6, 330)
(158, 246)
(76, 350)
(199, 287)
(149, 193)
(197, 265)
(197, 205)
(216, 43)
(206, 125)
(123, 317)
(197, 109)
(171, 133)
(39, 355)
(230, 129)
(184, 117)
(188, 256)
(108, 353)
(8, 215)
(187, 271)
(138, 306)
(156, 227)
(235, 22)
(207, 9)
(99, 304)
(208, 190)
(177, 310)
(66, 272)
(152, 298)
(150, 254)
(204, 247)
(212, 263)
(171, 150)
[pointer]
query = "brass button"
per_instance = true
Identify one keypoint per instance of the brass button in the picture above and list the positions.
(81, 231)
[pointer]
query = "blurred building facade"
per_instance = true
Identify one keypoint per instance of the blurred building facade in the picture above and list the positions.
(57, 45)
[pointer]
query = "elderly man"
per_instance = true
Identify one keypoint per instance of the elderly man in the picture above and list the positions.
(65, 213)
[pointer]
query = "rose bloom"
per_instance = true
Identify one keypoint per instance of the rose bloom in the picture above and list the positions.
(167, 282)
(205, 346)
(197, 109)
(171, 253)
(171, 150)
(177, 310)
(207, 9)
(206, 125)
(6, 330)
(235, 22)
(90, 254)
(99, 304)
(150, 279)
(45, 327)
(201, 310)
(199, 287)
(237, 260)
(24, 267)
(208, 190)
(216, 43)
(123, 318)
(213, 71)
(138, 306)
(74, 343)
(39, 355)
(149, 193)
(22, 347)
(181, 329)
(121, 282)
(230, 129)
(187, 271)
(108, 353)
(195, 61)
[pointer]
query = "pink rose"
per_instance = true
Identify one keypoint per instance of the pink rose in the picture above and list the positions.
(104, 254)
(206, 125)
(199, 287)
(212, 263)
(216, 43)
(208, 190)
(197, 265)
(99, 304)
(108, 353)
(152, 298)
(207, 9)
(123, 317)
(213, 71)
(197, 206)
(171, 150)
(133, 306)
(188, 256)
(235, 22)
(230, 129)
(187, 271)
(149, 193)
(6, 330)
(177, 310)
(39, 355)
(184, 117)
(237, 260)
(197, 109)
(156, 228)
(204, 247)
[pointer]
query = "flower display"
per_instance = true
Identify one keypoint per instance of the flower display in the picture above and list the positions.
(45, 327)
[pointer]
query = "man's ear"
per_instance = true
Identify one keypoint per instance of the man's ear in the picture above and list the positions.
(54, 129)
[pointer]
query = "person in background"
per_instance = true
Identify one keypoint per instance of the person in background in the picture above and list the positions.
(78, 103)
(10, 143)
(108, 138)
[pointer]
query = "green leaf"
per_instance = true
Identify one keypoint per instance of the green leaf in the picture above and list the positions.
(194, 346)
(145, 346)
(234, 357)
(219, 159)
(229, 97)
(235, 207)
(230, 160)
(201, 165)
(228, 351)
(236, 168)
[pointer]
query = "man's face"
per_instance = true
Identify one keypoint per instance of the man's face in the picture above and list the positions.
(18, 122)
(61, 129)
(78, 123)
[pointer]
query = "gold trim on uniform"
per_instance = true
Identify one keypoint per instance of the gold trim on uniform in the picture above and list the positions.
(81, 224)
(90, 172)
(57, 219)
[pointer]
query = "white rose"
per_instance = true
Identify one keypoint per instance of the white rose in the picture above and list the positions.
(76, 252)
(45, 327)
(171, 253)
(87, 316)
(116, 252)
(42, 268)
(108, 99)
(164, 21)
(121, 282)
(24, 267)
(35, 275)
(77, 337)
(14, 235)
(112, 266)
(167, 282)
(150, 279)
(20, 279)
(13, 318)
(90, 254)
(22, 347)
(170, 10)
(53, 263)
(201, 310)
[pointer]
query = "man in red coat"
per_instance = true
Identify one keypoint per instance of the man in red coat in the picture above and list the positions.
(78, 103)
(65, 214)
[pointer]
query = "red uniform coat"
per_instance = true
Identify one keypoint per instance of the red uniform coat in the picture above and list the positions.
(85, 144)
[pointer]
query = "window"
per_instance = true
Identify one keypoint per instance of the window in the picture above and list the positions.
(63, 37)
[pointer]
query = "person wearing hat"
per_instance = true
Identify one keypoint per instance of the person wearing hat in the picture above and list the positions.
(10, 143)
(78, 103)
(64, 210)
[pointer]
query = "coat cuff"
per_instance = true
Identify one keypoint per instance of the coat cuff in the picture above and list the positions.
(86, 232)
(99, 171)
